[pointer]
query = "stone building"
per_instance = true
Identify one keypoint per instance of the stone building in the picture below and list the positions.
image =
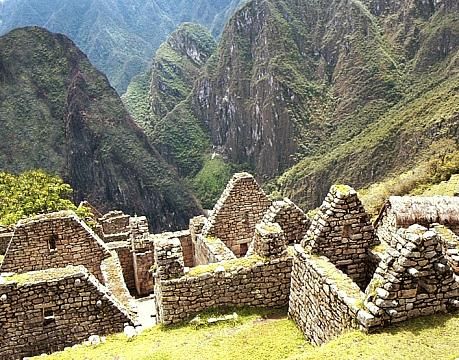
(414, 274)
(48, 310)
(404, 211)
(53, 241)
(233, 219)
(342, 232)
(260, 280)
(414, 278)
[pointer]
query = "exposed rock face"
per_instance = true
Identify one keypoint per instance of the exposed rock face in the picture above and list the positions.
(323, 92)
(60, 114)
(279, 68)
(176, 66)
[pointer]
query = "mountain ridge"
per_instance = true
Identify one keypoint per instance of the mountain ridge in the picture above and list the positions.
(60, 114)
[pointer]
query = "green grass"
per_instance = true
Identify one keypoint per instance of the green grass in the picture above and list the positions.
(267, 334)
(44, 275)
(229, 265)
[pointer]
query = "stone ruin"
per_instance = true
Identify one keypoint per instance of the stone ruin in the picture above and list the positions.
(59, 283)
(233, 219)
(342, 232)
(330, 272)
(342, 281)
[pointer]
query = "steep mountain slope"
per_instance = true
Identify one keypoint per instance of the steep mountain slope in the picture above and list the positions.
(119, 36)
(177, 64)
(60, 114)
(324, 91)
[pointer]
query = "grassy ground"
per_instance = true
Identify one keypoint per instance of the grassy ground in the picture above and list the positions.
(270, 335)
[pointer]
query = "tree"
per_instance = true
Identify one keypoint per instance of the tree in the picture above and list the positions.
(31, 193)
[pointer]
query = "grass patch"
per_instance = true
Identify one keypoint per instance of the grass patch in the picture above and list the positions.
(259, 335)
(268, 334)
(40, 276)
(229, 265)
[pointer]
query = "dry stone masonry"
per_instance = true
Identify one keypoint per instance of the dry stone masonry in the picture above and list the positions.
(291, 218)
(66, 283)
(48, 310)
(269, 241)
(342, 232)
(323, 300)
(53, 241)
(255, 282)
(233, 219)
(414, 278)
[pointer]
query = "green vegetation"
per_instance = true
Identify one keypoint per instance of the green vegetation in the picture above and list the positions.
(136, 100)
(119, 39)
(228, 265)
(210, 181)
(437, 164)
(65, 118)
(34, 192)
(43, 275)
(267, 334)
(343, 281)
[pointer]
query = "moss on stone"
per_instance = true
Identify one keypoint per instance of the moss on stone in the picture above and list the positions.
(342, 281)
(229, 265)
(44, 275)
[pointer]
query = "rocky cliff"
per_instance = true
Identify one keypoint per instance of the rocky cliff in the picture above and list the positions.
(60, 114)
(314, 92)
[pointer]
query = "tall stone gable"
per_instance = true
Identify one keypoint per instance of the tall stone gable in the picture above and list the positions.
(233, 219)
(413, 279)
(342, 232)
(54, 241)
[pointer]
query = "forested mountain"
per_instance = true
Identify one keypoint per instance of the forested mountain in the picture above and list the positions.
(312, 92)
(119, 36)
(60, 114)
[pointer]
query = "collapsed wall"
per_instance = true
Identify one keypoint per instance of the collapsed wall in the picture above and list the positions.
(52, 241)
(62, 306)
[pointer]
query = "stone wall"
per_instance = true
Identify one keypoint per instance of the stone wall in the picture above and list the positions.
(115, 226)
(233, 219)
(386, 226)
(5, 238)
(53, 241)
(180, 296)
(143, 262)
(39, 316)
(269, 241)
(323, 300)
(124, 251)
(210, 250)
(293, 221)
(414, 278)
(342, 232)
(450, 244)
